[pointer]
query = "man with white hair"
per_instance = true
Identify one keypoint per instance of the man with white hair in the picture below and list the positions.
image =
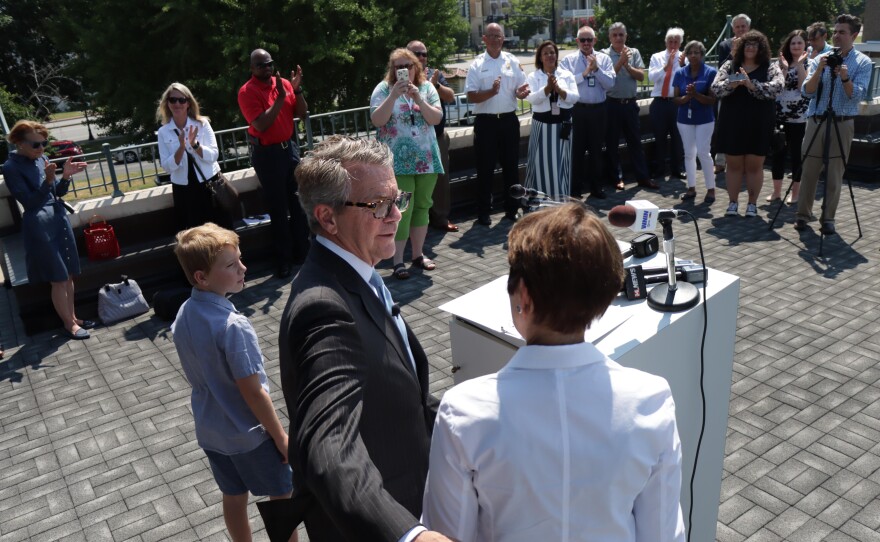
(663, 111)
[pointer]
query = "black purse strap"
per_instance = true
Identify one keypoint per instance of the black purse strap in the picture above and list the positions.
(195, 163)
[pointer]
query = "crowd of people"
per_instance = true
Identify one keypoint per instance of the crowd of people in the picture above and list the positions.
(370, 454)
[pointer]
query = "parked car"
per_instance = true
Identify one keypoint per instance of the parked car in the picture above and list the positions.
(127, 154)
(460, 111)
(63, 148)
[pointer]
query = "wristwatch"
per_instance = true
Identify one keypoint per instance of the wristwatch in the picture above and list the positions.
(196, 146)
(845, 80)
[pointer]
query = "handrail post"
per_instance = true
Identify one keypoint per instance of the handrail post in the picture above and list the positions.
(308, 122)
(105, 148)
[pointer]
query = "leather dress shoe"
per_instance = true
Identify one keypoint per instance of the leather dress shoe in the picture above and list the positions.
(513, 217)
(484, 220)
(800, 224)
(621, 185)
(648, 183)
(679, 175)
(283, 271)
(450, 227)
(598, 194)
(828, 229)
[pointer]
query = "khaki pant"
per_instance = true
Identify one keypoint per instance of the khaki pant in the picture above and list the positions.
(439, 212)
(812, 167)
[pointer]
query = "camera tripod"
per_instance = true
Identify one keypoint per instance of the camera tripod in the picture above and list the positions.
(829, 119)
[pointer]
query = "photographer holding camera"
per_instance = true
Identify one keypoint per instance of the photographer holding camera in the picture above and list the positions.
(845, 82)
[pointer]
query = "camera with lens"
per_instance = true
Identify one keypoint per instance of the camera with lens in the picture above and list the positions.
(834, 59)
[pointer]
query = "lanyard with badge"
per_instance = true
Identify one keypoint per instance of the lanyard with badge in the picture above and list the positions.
(591, 79)
(412, 115)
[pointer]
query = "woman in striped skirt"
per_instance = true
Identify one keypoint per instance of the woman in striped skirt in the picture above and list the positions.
(552, 93)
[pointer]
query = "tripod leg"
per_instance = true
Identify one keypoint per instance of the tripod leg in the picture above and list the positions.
(843, 159)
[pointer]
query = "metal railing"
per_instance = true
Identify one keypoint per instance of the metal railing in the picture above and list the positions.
(111, 171)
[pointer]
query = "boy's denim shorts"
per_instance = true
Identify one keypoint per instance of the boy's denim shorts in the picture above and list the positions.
(259, 471)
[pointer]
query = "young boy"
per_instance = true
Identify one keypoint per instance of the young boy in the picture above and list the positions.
(235, 420)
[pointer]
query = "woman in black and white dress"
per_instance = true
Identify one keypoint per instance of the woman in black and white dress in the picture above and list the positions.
(552, 93)
(791, 113)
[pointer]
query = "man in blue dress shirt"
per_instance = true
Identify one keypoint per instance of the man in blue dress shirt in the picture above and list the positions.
(846, 89)
(594, 74)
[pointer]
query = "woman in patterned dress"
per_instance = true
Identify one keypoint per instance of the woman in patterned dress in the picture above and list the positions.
(552, 93)
(791, 109)
(404, 111)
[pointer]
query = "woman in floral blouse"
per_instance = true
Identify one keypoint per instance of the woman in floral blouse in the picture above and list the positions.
(791, 109)
(405, 111)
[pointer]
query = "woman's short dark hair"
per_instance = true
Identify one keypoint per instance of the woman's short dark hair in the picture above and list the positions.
(739, 49)
(570, 264)
(547, 43)
(785, 48)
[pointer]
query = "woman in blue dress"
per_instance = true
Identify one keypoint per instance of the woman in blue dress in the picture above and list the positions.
(50, 248)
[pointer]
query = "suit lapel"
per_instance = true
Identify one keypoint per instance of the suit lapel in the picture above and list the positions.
(356, 286)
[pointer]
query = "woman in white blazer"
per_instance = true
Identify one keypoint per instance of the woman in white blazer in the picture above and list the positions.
(552, 93)
(188, 152)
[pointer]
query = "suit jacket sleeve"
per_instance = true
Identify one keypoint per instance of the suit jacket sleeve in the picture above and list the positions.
(328, 450)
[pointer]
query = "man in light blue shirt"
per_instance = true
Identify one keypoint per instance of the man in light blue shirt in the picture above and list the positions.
(844, 85)
(594, 74)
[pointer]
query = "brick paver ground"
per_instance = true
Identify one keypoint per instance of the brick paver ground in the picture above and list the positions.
(97, 441)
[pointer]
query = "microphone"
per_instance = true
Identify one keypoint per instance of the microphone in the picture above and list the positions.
(639, 215)
(637, 278)
(518, 191)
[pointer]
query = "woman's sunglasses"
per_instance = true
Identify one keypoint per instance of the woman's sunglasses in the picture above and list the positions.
(173, 100)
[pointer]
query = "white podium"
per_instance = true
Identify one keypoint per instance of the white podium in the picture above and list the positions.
(665, 344)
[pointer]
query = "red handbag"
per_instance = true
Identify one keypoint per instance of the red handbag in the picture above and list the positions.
(101, 243)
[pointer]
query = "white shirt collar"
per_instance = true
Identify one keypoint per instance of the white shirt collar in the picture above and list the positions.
(566, 356)
(361, 267)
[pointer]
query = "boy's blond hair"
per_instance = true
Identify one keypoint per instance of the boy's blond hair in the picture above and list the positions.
(197, 248)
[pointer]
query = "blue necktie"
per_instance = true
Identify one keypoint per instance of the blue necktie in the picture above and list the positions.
(385, 297)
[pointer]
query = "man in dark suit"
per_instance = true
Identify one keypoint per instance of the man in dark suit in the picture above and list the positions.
(354, 375)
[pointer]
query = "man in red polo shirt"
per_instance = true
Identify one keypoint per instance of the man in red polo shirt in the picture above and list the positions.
(270, 104)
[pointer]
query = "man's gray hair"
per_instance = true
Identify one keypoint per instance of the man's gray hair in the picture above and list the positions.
(323, 175)
(615, 26)
(674, 32)
(744, 17)
(694, 44)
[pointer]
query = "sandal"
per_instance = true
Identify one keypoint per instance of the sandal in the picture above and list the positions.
(400, 272)
(425, 263)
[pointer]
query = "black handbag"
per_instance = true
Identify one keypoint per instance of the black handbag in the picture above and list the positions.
(225, 195)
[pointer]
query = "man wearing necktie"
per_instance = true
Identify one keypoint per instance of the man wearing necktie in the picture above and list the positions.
(355, 378)
(663, 112)
(594, 74)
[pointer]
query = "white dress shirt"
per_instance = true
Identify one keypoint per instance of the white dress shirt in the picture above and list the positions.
(482, 75)
(562, 444)
(169, 143)
(540, 101)
(657, 72)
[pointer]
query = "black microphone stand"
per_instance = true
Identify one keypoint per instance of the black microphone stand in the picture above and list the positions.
(673, 296)
(826, 151)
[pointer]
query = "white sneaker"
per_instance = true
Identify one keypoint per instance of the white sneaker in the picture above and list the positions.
(751, 209)
(732, 209)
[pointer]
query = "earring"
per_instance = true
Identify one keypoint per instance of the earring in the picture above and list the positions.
(518, 309)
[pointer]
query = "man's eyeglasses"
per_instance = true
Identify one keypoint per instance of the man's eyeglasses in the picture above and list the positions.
(262, 65)
(382, 207)
(174, 100)
(420, 54)
(586, 40)
(406, 66)
(38, 144)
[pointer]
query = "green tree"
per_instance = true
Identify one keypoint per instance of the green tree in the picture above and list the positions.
(14, 109)
(128, 57)
(777, 19)
(32, 65)
(529, 17)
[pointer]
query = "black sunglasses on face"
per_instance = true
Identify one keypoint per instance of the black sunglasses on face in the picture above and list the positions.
(406, 66)
(38, 144)
(382, 207)
(262, 65)
(585, 40)
(420, 54)
(175, 100)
